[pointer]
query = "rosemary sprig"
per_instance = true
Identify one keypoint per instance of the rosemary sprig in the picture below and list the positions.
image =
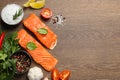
(17, 14)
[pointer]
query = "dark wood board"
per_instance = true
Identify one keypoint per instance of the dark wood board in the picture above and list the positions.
(88, 42)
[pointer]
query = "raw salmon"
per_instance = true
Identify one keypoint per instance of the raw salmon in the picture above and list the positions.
(39, 54)
(33, 23)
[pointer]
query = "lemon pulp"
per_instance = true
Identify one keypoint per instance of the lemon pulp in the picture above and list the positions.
(38, 4)
(27, 4)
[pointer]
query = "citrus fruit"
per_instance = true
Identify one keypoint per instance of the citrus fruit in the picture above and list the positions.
(27, 4)
(37, 4)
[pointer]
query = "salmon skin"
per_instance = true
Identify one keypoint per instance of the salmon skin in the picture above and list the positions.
(33, 23)
(40, 55)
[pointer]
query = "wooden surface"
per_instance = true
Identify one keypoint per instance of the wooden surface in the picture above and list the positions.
(88, 42)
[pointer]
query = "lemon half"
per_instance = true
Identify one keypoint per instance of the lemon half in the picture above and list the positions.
(27, 4)
(38, 4)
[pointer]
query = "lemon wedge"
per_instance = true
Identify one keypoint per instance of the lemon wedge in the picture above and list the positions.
(27, 4)
(38, 4)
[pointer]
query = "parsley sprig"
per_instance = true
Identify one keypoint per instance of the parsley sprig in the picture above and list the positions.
(7, 65)
(17, 14)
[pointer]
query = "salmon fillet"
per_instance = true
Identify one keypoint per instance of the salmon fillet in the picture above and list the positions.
(40, 55)
(33, 23)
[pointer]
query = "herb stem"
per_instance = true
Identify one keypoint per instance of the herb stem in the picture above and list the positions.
(17, 14)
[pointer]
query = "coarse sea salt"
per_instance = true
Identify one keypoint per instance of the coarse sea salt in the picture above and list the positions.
(9, 11)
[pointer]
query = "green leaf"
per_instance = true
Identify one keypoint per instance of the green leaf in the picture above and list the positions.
(31, 46)
(13, 49)
(17, 14)
(6, 45)
(42, 31)
(7, 65)
(1, 51)
(4, 66)
(3, 56)
(14, 35)
(3, 76)
(10, 44)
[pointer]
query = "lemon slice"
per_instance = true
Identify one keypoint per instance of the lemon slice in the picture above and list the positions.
(37, 4)
(27, 4)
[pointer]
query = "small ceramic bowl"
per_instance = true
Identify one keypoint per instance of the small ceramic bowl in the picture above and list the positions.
(12, 14)
(23, 62)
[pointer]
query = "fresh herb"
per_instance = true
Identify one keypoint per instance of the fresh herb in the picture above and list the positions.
(3, 56)
(31, 46)
(42, 31)
(17, 14)
(7, 65)
(10, 43)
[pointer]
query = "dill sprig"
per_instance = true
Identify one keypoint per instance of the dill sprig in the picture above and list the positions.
(17, 14)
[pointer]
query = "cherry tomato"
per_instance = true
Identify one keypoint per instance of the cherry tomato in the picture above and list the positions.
(46, 13)
(55, 74)
(64, 75)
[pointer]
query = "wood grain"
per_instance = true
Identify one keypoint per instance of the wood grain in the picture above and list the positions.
(89, 40)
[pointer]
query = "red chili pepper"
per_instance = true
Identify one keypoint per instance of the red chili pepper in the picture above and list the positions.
(1, 39)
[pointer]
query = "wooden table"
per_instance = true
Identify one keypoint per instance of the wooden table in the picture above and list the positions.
(88, 42)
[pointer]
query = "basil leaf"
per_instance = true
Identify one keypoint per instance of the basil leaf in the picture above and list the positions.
(31, 46)
(42, 31)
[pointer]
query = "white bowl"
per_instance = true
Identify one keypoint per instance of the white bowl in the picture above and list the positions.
(9, 11)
